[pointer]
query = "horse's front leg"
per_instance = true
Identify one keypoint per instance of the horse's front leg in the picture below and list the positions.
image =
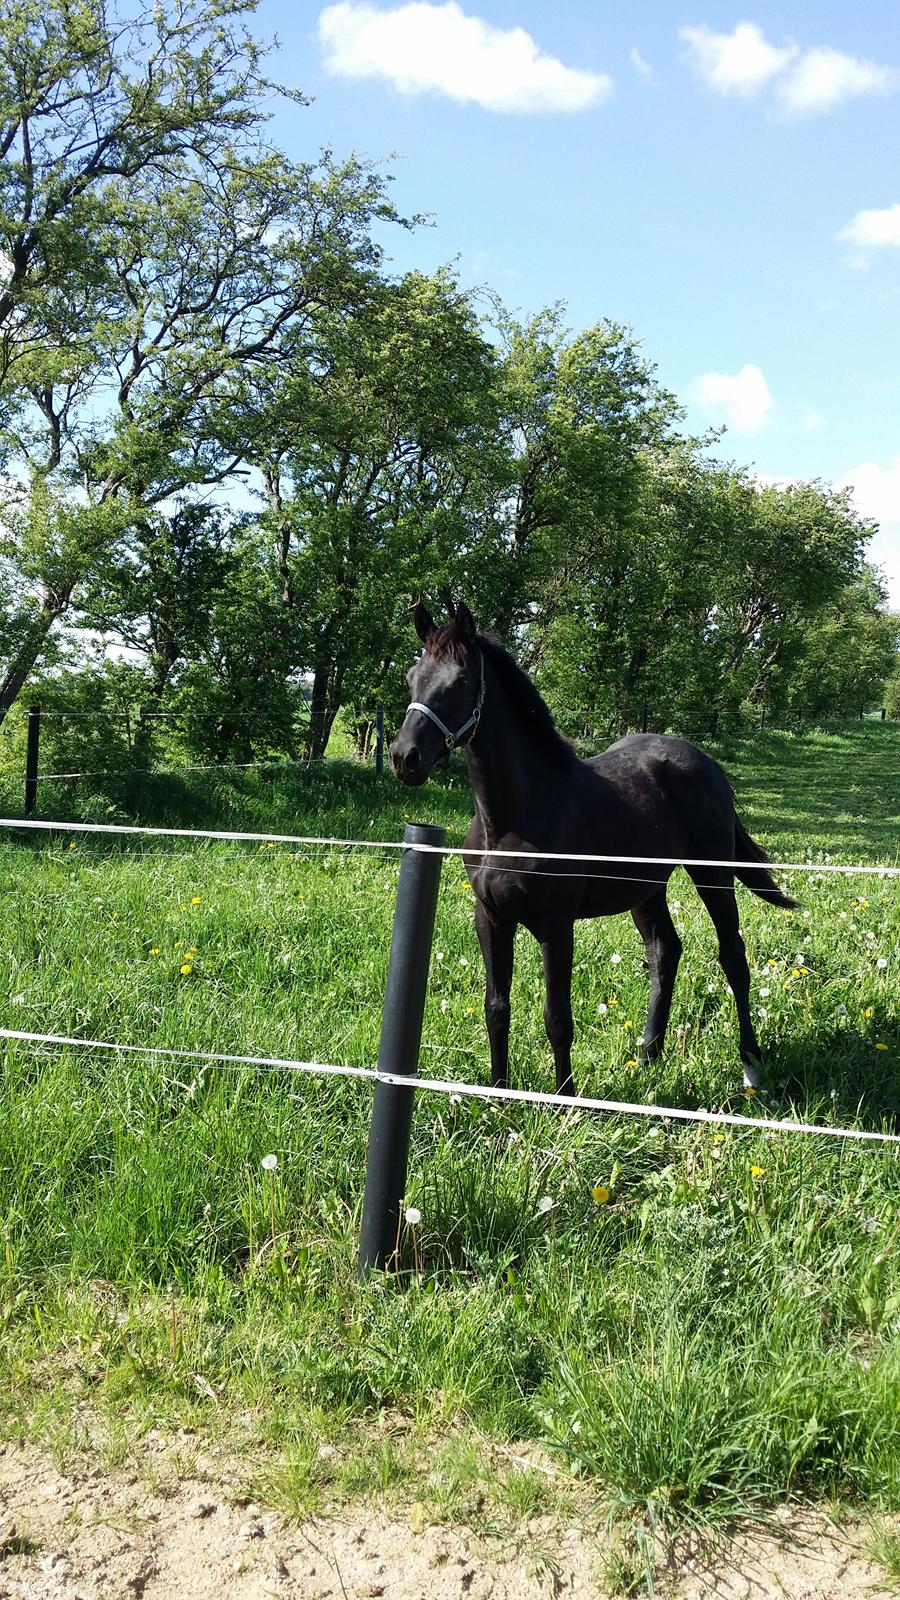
(557, 944)
(496, 940)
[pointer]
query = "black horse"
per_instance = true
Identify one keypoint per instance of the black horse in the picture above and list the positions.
(648, 795)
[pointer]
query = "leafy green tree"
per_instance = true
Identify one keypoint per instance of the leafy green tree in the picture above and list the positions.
(847, 653)
(157, 248)
(376, 442)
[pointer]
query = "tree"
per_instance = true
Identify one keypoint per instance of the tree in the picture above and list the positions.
(845, 656)
(376, 441)
(157, 249)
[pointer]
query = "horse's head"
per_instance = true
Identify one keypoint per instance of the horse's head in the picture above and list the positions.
(447, 691)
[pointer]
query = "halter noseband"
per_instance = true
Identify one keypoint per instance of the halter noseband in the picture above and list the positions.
(452, 739)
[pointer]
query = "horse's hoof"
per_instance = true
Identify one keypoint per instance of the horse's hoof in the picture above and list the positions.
(752, 1075)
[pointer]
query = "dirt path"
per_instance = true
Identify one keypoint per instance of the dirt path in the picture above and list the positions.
(173, 1530)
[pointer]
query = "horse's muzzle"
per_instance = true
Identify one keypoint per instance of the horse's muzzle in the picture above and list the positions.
(407, 763)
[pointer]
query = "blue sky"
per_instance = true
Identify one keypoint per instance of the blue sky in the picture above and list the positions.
(723, 180)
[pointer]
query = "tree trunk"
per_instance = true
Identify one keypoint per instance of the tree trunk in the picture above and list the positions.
(324, 706)
(28, 656)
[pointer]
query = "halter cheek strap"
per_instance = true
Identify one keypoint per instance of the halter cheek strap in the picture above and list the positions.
(451, 739)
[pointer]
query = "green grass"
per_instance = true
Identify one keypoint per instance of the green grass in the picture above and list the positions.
(723, 1333)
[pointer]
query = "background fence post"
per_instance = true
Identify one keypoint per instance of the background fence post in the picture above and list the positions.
(762, 719)
(401, 1033)
(379, 739)
(31, 758)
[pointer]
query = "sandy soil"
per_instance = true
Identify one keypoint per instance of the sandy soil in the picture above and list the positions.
(173, 1528)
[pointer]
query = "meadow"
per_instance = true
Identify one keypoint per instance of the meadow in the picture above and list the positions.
(685, 1322)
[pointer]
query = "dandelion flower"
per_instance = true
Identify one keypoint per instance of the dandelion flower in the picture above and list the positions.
(881, 1047)
(631, 1063)
(545, 1204)
(881, 963)
(196, 900)
(615, 959)
(869, 1012)
(185, 968)
(627, 1024)
(269, 1163)
(757, 1172)
(600, 1193)
(412, 1216)
(602, 1009)
(155, 950)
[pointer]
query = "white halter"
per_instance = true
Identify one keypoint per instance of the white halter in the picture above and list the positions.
(451, 739)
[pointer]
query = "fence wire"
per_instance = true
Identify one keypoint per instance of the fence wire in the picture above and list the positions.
(564, 1103)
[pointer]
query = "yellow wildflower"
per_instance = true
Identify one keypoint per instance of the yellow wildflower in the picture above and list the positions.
(869, 1011)
(881, 1047)
(600, 1193)
(196, 900)
(627, 1024)
(757, 1172)
(186, 968)
(155, 950)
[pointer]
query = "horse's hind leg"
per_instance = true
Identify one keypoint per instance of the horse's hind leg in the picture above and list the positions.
(663, 947)
(716, 890)
(557, 946)
(496, 940)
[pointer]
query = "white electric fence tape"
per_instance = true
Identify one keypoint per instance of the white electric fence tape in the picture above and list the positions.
(565, 1103)
(447, 850)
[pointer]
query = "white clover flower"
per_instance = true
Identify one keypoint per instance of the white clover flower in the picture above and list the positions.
(463, 962)
(765, 992)
(269, 1163)
(412, 1216)
(438, 955)
(602, 1009)
(615, 959)
(881, 963)
(545, 1204)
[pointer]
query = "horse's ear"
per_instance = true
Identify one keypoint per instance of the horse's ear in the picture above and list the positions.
(465, 623)
(423, 622)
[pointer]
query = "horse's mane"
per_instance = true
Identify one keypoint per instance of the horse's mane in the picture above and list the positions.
(445, 644)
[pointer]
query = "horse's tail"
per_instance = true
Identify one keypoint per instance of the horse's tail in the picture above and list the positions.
(755, 877)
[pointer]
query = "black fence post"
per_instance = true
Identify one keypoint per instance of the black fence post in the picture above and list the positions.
(401, 1033)
(379, 739)
(31, 758)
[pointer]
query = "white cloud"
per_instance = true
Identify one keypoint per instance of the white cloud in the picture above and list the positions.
(873, 230)
(813, 420)
(876, 494)
(422, 48)
(803, 81)
(876, 489)
(822, 78)
(640, 65)
(741, 63)
(743, 398)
